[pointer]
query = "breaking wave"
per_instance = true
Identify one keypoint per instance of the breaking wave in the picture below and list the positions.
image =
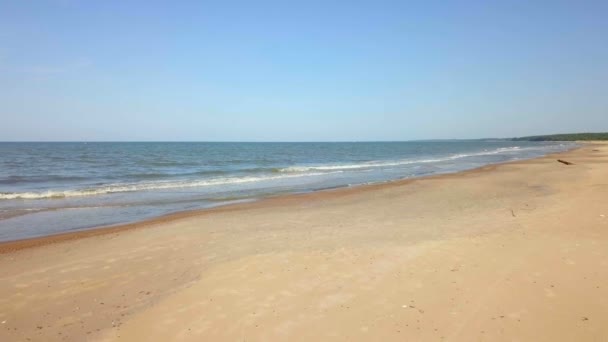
(145, 186)
(255, 175)
(380, 164)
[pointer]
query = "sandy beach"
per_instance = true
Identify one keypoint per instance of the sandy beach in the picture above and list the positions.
(510, 252)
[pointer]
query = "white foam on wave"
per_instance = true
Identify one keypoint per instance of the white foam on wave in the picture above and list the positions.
(369, 165)
(284, 173)
(144, 186)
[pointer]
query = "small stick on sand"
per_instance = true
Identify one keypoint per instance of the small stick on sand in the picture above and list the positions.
(565, 162)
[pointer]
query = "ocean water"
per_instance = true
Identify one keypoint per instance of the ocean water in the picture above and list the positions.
(49, 188)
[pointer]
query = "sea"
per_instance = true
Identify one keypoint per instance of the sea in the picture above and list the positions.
(50, 188)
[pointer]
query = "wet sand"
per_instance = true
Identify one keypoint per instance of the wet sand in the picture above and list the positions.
(517, 251)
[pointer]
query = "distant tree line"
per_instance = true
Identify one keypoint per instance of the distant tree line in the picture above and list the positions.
(565, 137)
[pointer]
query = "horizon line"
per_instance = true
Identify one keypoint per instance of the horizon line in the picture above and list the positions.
(243, 141)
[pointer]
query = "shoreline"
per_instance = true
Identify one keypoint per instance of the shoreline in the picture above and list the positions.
(510, 251)
(19, 244)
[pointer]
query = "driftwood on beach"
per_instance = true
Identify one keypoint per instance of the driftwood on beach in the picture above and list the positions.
(565, 162)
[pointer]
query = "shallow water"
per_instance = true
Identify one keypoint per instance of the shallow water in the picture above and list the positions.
(48, 188)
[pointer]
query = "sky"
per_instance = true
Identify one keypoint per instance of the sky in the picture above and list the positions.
(300, 70)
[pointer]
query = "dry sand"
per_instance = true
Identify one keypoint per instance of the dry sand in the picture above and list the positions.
(517, 251)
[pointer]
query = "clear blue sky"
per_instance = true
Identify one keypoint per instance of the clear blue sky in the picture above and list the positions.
(311, 70)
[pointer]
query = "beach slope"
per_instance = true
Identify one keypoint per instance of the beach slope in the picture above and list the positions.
(517, 251)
